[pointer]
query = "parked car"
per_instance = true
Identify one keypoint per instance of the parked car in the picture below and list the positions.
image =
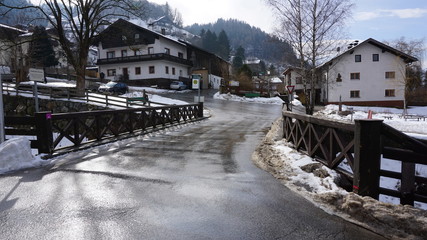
(114, 87)
(177, 85)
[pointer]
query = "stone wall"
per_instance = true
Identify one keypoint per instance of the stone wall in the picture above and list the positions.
(24, 106)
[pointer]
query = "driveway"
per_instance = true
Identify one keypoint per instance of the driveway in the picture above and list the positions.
(191, 182)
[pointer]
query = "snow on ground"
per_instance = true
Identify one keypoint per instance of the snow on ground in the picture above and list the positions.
(232, 97)
(318, 184)
(16, 154)
(391, 116)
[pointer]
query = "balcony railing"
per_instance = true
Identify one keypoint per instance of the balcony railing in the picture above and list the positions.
(148, 57)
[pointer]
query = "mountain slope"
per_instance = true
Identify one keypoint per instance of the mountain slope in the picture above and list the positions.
(256, 42)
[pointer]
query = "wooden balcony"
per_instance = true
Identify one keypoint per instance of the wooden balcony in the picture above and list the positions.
(142, 58)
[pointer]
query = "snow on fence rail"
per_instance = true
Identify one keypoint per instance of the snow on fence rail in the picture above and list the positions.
(362, 144)
(83, 129)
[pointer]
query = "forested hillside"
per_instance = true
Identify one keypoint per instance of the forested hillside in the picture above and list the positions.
(256, 42)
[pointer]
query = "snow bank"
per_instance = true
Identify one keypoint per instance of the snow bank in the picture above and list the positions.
(16, 154)
(318, 185)
(235, 98)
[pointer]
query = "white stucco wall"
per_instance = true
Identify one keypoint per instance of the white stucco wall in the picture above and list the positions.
(159, 65)
(372, 83)
(215, 81)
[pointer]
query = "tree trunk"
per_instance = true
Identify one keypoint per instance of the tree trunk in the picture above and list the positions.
(80, 81)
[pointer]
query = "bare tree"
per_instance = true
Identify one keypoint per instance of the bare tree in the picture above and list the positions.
(78, 22)
(311, 27)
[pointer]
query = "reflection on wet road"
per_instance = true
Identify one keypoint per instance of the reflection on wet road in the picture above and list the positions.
(191, 182)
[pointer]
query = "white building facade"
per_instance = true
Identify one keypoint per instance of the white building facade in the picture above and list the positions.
(141, 56)
(369, 73)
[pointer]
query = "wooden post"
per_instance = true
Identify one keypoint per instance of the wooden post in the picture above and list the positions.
(407, 187)
(200, 113)
(44, 132)
(367, 157)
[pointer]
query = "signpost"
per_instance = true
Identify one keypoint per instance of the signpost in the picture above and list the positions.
(196, 79)
(291, 96)
(36, 75)
(2, 135)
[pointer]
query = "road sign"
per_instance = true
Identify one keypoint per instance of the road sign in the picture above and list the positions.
(290, 88)
(195, 79)
(36, 75)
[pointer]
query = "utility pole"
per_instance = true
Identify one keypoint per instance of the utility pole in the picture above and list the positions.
(2, 135)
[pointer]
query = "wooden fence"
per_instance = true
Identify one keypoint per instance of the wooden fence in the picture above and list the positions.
(94, 127)
(71, 93)
(362, 144)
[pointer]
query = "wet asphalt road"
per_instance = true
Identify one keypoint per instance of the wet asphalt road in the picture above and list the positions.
(192, 182)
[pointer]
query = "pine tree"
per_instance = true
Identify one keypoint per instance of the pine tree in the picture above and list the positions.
(239, 58)
(41, 49)
(223, 45)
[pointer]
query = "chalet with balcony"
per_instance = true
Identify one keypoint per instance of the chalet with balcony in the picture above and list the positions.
(140, 56)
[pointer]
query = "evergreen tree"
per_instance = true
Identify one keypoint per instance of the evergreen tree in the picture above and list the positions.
(210, 42)
(223, 45)
(41, 49)
(239, 58)
(263, 67)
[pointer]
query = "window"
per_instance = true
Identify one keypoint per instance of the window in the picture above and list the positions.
(166, 69)
(111, 54)
(339, 78)
(150, 50)
(355, 76)
(375, 57)
(358, 58)
(181, 55)
(167, 51)
(138, 71)
(137, 52)
(298, 80)
(180, 73)
(124, 53)
(390, 75)
(173, 71)
(355, 94)
(136, 35)
(389, 93)
(151, 70)
(111, 72)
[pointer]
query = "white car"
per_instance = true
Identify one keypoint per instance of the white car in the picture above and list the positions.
(177, 85)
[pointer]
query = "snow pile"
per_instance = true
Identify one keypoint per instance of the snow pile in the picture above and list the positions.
(318, 184)
(156, 90)
(155, 98)
(16, 154)
(235, 98)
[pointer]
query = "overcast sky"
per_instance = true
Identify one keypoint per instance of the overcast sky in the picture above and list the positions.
(379, 19)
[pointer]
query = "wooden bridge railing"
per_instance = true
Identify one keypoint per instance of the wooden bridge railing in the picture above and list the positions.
(363, 145)
(63, 131)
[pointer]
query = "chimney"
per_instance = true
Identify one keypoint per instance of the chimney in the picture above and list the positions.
(163, 31)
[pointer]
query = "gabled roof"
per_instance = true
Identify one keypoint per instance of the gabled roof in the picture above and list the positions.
(9, 32)
(384, 47)
(112, 36)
